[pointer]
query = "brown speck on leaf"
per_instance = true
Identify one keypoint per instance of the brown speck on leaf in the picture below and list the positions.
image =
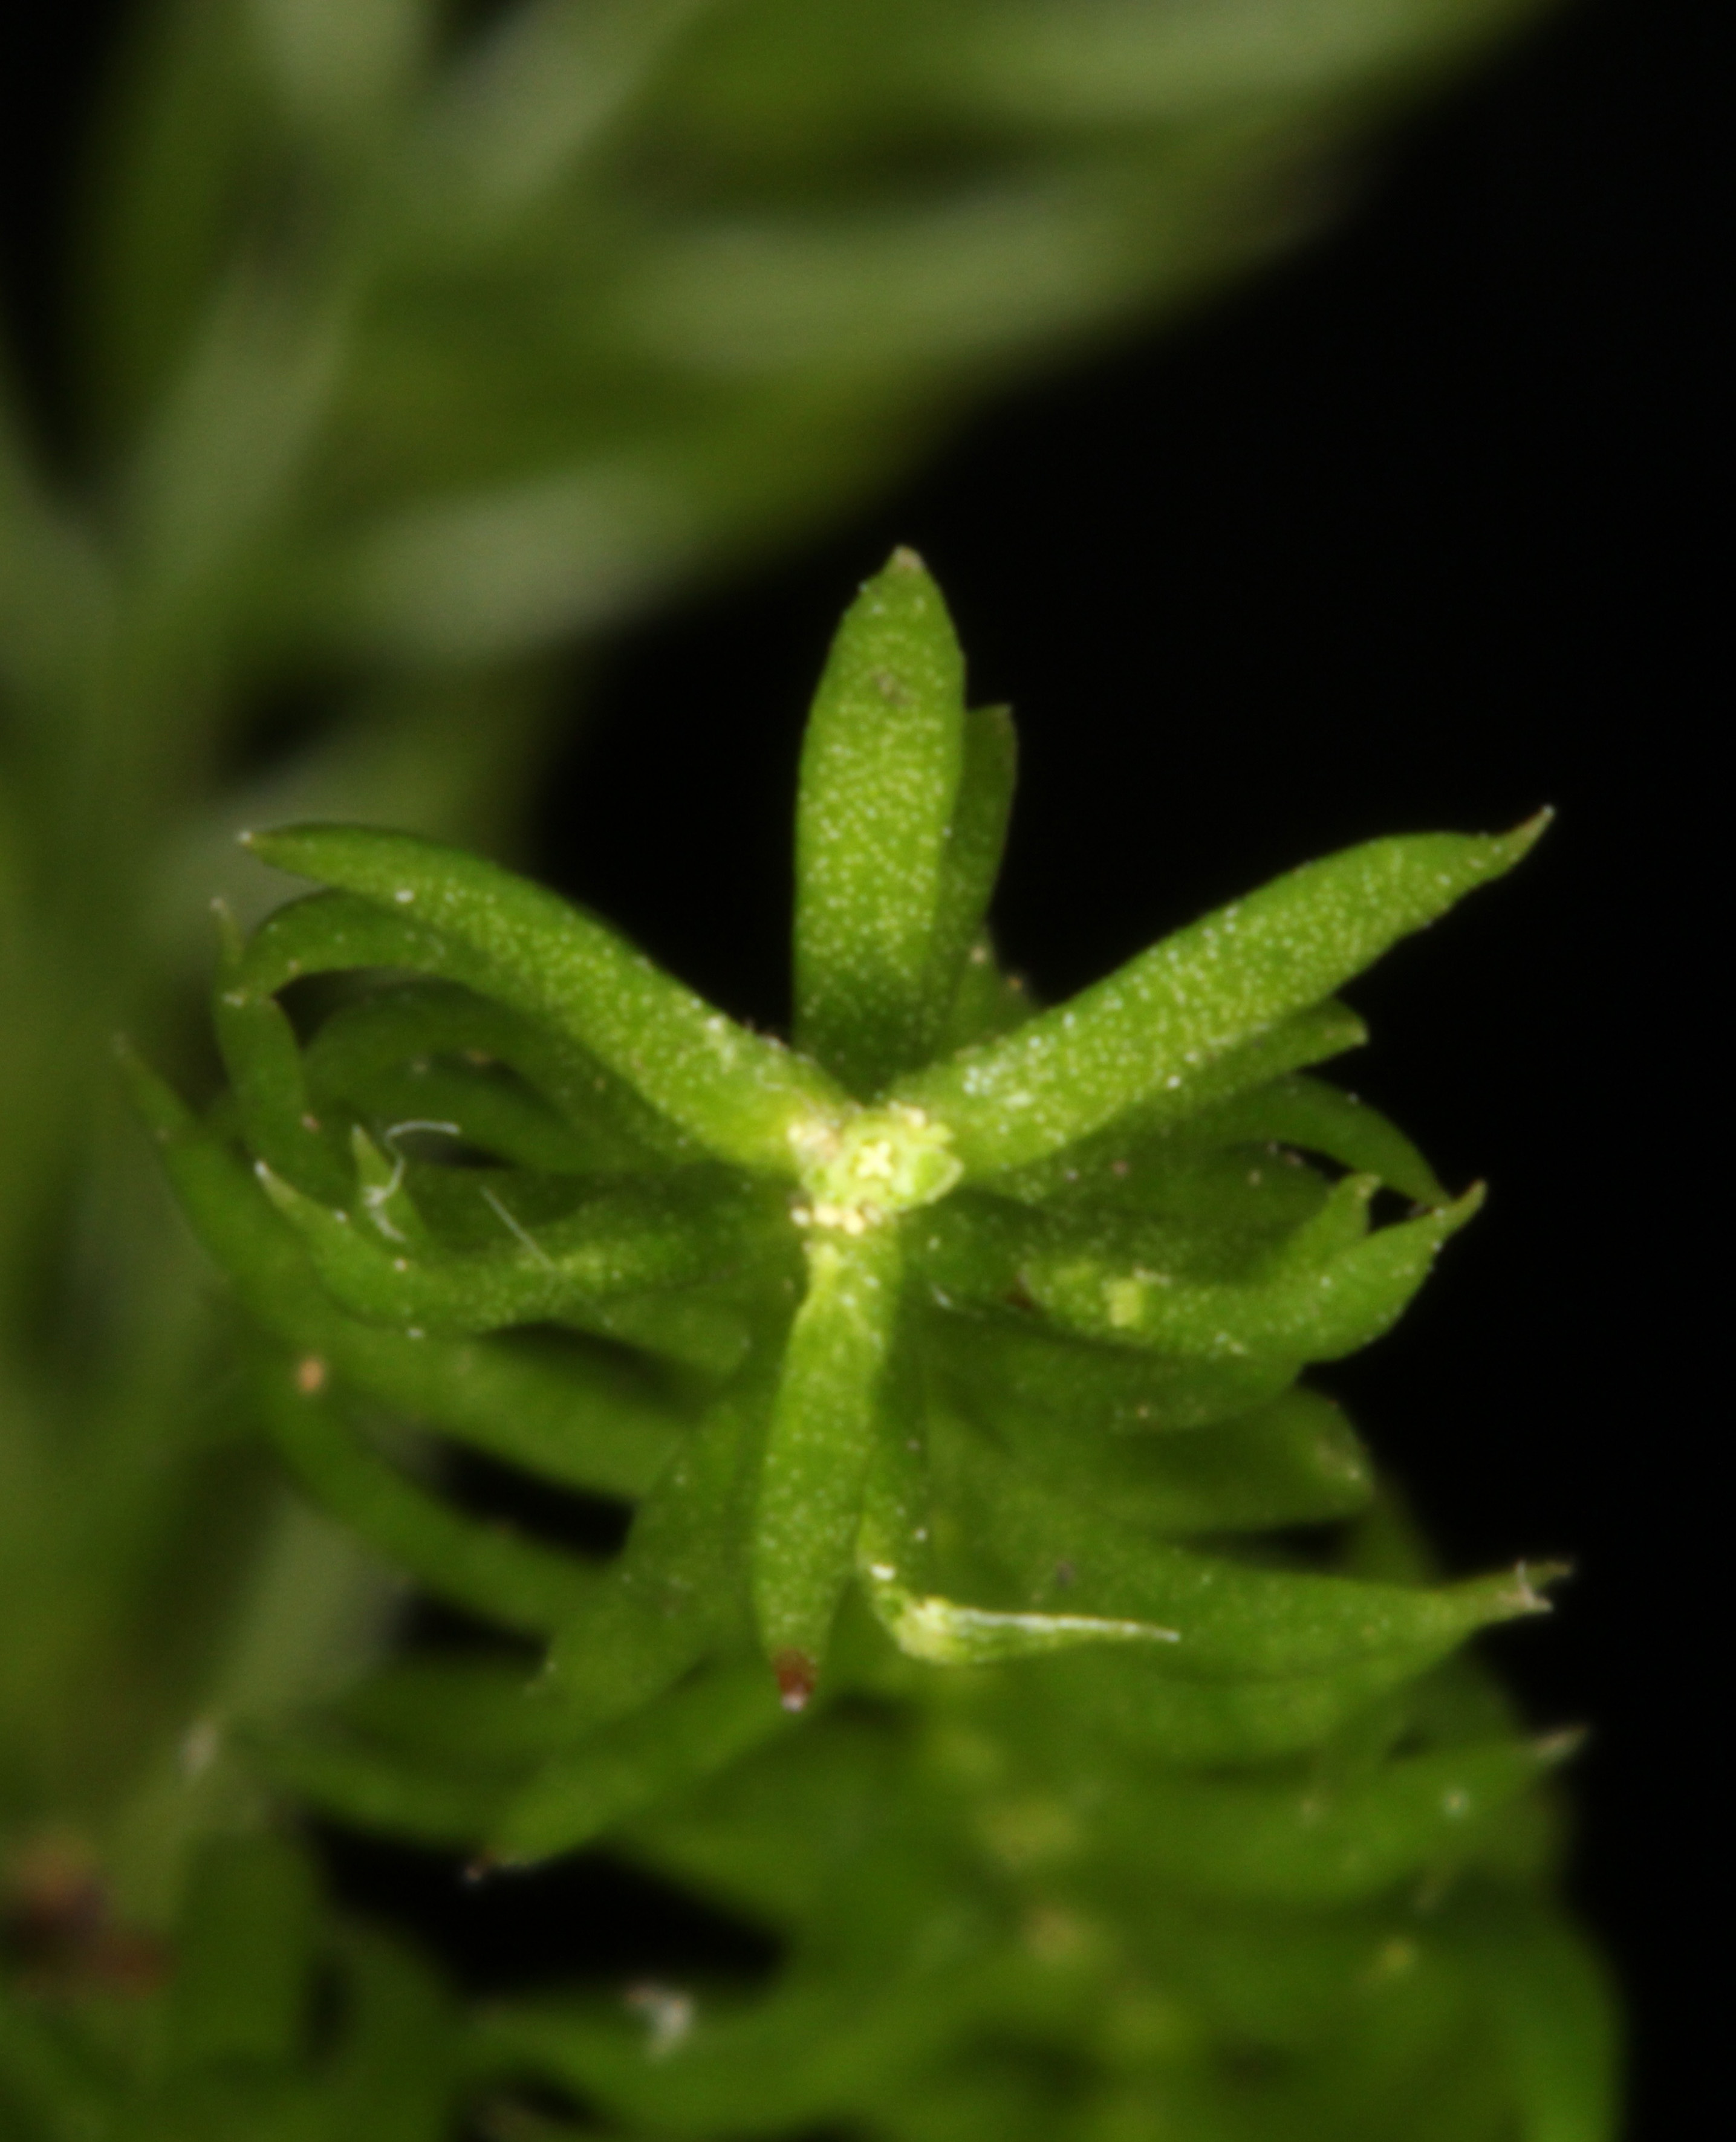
(1018, 1296)
(309, 1375)
(1065, 1574)
(797, 1674)
(57, 1927)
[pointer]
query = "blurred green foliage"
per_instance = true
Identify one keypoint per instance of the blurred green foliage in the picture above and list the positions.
(413, 348)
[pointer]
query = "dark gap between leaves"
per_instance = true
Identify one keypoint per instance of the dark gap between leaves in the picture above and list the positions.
(595, 1526)
(586, 1917)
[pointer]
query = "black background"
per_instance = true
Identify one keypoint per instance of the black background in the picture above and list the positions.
(1418, 531)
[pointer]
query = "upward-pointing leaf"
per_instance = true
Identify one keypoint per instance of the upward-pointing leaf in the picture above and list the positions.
(881, 768)
(1167, 1015)
(971, 863)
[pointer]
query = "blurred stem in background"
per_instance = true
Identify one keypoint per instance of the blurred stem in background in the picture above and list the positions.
(410, 355)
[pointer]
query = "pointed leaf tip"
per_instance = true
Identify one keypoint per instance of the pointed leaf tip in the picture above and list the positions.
(1465, 1208)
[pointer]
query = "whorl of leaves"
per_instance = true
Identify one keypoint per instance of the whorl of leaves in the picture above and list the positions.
(1001, 1622)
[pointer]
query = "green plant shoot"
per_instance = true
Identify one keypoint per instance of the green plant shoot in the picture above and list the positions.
(1001, 1619)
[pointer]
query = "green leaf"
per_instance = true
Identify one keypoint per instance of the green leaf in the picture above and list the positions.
(1554, 2010)
(1029, 1377)
(987, 1002)
(426, 1053)
(1099, 61)
(1300, 1111)
(882, 763)
(971, 864)
(523, 108)
(1168, 1015)
(342, 68)
(1310, 1842)
(1296, 1462)
(1134, 1707)
(678, 1592)
(822, 1432)
(457, 1712)
(579, 1415)
(647, 1234)
(769, 1835)
(48, 2082)
(479, 1566)
(1032, 1551)
(244, 1950)
(739, 1094)
(373, 1789)
(331, 932)
(1145, 1141)
(1327, 1290)
(188, 130)
(267, 1078)
(693, 1732)
(54, 598)
(395, 2070)
(825, 2043)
